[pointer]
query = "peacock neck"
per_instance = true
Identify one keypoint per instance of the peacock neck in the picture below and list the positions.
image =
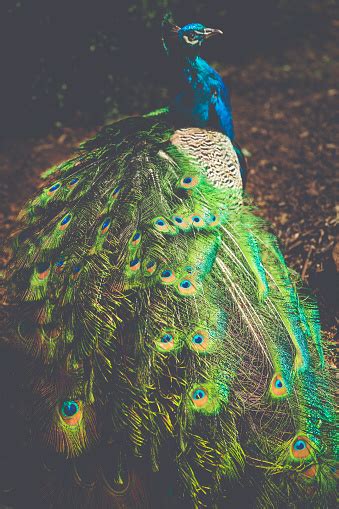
(201, 98)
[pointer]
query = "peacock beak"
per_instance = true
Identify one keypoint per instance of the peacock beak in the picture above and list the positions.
(211, 32)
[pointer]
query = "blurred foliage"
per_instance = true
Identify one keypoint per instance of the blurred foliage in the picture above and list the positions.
(73, 61)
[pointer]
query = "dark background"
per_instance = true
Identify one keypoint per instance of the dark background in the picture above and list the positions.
(68, 66)
(73, 61)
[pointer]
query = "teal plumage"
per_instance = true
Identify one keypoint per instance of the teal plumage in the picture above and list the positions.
(165, 344)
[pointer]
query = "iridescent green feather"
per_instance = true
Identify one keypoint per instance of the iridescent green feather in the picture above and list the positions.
(171, 314)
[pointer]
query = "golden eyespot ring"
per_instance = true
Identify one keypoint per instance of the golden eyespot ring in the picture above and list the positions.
(189, 181)
(301, 447)
(186, 287)
(161, 224)
(196, 220)
(213, 220)
(167, 276)
(65, 221)
(134, 264)
(59, 265)
(200, 340)
(136, 239)
(74, 182)
(43, 270)
(53, 189)
(71, 412)
(105, 226)
(278, 387)
(76, 272)
(199, 397)
(166, 342)
(151, 267)
(116, 192)
(180, 222)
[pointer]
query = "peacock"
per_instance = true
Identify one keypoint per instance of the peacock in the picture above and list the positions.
(159, 353)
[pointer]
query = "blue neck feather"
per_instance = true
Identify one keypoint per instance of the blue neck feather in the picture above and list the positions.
(203, 99)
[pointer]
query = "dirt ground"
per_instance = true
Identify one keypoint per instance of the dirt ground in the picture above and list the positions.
(285, 121)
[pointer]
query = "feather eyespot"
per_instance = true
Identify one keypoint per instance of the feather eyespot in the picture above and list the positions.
(105, 226)
(116, 192)
(186, 287)
(167, 276)
(71, 412)
(161, 225)
(200, 397)
(64, 223)
(189, 181)
(200, 340)
(134, 264)
(213, 220)
(53, 189)
(166, 342)
(43, 270)
(180, 222)
(73, 182)
(76, 272)
(151, 267)
(136, 239)
(197, 221)
(278, 387)
(206, 398)
(60, 265)
(301, 447)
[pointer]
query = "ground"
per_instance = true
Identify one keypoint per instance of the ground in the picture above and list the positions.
(284, 118)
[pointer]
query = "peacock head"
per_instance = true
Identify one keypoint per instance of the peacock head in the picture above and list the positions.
(193, 35)
(188, 39)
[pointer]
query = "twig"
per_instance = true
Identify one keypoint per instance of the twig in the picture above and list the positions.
(306, 264)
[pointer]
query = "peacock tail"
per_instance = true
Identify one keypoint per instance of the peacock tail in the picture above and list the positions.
(161, 327)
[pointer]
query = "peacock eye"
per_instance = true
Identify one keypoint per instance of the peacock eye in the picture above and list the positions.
(199, 342)
(299, 445)
(191, 36)
(167, 276)
(69, 408)
(134, 264)
(166, 338)
(301, 448)
(71, 412)
(198, 339)
(166, 342)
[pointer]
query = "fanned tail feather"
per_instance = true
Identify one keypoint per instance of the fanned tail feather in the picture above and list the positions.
(156, 310)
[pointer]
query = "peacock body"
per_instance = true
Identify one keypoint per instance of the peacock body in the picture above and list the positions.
(167, 358)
